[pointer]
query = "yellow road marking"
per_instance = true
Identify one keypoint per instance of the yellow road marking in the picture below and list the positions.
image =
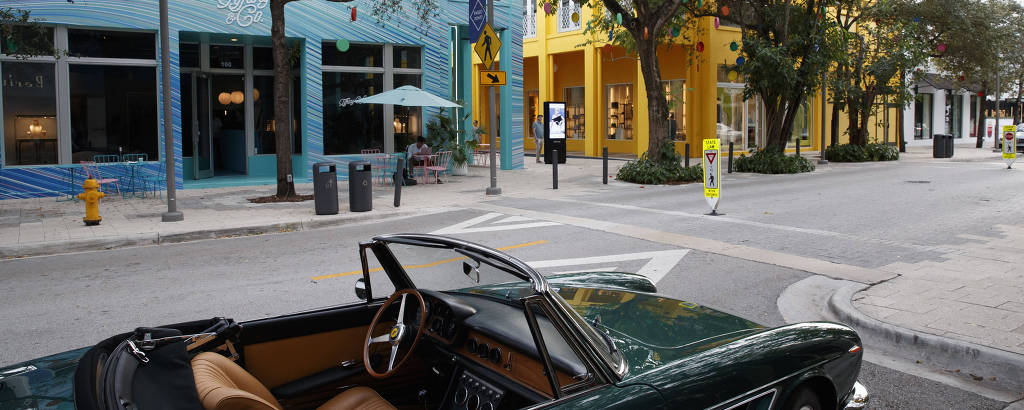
(426, 265)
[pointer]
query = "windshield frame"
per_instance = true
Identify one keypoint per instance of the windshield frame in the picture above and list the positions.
(614, 366)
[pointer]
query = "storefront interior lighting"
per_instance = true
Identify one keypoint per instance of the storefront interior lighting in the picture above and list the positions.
(224, 98)
(237, 97)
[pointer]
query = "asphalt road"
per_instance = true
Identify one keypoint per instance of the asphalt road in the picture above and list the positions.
(61, 302)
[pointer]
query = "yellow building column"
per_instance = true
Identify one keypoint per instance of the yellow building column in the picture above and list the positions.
(641, 124)
(591, 101)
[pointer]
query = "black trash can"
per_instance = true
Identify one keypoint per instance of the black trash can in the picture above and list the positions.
(939, 146)
(360, 186)
(949, 145)
(325, 188)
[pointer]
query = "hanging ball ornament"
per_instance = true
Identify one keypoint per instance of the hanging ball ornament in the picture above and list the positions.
(618, 18)
(981, 93)
(342, 45)
(733, 46)
(700, 3)
(675, 31)
(607, 48)
(645, 33)
(941, 47)
(740, 60)
(725, 10)
(611, 36)
(716, 22)
(917, 19)
(575, 17)
(732, 76)
(547, 8)
(700, 46)
(353, 14)
(962, 79)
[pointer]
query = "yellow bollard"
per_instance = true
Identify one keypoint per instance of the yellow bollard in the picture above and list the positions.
(91, 196)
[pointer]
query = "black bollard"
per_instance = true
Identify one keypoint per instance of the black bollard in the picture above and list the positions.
(554, 169)
(730, 157)
(686, 156)
(399, 180)
(798, 147)
(604, 155)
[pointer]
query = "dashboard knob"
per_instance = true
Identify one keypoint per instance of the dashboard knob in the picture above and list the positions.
(471, 345)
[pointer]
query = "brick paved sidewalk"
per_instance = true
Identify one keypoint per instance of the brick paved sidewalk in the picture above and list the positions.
(977, 295)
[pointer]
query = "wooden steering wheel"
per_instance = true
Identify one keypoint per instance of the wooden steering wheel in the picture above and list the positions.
(395, 335)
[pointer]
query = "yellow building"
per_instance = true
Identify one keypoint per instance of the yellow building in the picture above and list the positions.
(603, 89)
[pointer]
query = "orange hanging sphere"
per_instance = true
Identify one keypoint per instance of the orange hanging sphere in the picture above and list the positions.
(645, 33)
(725, 10)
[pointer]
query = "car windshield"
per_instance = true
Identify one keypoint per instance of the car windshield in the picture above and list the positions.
(445, 268)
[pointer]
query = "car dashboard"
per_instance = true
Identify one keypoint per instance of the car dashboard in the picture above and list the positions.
(494, 359)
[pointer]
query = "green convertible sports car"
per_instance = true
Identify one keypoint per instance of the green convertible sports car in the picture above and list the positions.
(444, 323)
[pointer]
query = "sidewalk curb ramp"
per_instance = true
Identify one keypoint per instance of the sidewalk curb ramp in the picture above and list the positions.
(147, 239)
(972, 360)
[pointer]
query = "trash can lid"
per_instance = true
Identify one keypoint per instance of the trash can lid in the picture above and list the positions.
(324, 164)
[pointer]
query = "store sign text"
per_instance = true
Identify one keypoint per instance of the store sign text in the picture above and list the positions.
(243, 12)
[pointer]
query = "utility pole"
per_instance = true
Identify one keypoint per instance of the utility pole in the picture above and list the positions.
(493, 189)
(997, 133)
(822, 159)
(172, 214)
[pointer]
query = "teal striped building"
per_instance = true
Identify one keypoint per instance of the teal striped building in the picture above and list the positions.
(103, 97)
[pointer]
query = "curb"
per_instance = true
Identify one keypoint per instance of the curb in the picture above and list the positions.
(947, 353)
(127, 241)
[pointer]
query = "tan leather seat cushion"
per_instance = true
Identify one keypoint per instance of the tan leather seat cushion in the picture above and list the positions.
(224, 385)
(358, 398)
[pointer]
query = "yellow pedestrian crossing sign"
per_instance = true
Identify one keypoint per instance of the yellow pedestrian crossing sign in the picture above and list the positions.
(712, 172)
(1009, 144)
(487, 45)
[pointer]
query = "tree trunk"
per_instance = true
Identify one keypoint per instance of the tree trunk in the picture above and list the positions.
(657, 108)
(835, 124)
(282, 78)
(981, 117)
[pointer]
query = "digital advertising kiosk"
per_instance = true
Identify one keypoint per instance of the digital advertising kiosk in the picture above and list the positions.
(554, 131)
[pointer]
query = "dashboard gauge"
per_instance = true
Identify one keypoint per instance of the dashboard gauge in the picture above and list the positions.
(495, 355)
(483, 350)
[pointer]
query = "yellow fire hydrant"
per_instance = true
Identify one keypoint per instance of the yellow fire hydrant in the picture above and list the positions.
(91, 196)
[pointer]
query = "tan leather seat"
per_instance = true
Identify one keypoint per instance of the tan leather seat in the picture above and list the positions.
(224, 385)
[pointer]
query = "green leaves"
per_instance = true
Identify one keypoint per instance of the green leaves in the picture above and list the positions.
(770, 161)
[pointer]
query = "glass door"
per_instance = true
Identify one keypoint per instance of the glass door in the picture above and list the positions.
(202, 144)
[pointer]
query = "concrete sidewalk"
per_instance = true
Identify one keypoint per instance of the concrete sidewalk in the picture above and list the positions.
(42, 226)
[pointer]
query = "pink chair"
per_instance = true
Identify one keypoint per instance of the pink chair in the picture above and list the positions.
(440, 165)
(93, 172)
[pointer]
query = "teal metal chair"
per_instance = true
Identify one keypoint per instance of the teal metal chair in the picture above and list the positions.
(106, 159)
(135, 157)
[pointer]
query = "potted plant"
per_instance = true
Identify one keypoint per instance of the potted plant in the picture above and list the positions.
(442, 134)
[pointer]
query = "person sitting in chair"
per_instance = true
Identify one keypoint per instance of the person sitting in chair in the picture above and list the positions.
(419, 147)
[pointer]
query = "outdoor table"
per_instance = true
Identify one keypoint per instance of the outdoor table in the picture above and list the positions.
(427, 160)
(131, 167)
(72, 188)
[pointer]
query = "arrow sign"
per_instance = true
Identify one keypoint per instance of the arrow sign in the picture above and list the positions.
(492, 77)
(1009, 145)
(712, 173)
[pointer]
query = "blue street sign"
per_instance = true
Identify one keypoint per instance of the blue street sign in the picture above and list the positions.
(477, 18)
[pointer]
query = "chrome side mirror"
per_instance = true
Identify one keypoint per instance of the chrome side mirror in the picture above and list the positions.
(473, 272)
(361, 289)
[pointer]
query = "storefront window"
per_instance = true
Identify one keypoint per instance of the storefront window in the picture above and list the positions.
(731, 107)
(574, 118)
(263, 58)
(227, 57)
(264, 123)
(189, 55)
(408, 121)
(357, 55)
(955, 115)
(801, 126)
(113, 110)
(675, 96)
(350, 127)
(407, 57)
(23, 38)
(923, 116)
(974, 116)
(620, 111)
(111, 44)
(30, 113)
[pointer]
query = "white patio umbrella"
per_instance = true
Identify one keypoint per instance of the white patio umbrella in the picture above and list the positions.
(409, 96)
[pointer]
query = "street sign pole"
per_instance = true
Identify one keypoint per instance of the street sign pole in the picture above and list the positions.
(493, 189)
(711, 162)
(172, 214)
(1009, 145)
